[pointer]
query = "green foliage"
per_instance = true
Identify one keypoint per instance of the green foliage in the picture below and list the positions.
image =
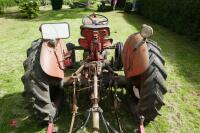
(128, 6)
(104, 7)
(182, 16)
(6, 3)
(81, 3)
(67, 2)
(56, 4)
(29, 8)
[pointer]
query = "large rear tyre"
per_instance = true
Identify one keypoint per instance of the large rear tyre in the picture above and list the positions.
(42, 91)
(150, 85)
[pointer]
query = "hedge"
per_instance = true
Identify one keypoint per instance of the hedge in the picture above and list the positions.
(6, 3)
(182, 16)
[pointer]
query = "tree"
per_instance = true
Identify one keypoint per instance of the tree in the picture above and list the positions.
(56, 4)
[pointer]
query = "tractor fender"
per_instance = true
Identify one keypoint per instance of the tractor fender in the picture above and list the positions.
(135, 60)
(52, 58)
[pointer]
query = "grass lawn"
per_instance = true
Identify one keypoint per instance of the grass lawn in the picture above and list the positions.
(182, 111)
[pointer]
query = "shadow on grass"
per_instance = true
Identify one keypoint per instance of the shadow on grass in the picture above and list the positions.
(84, 104)
(48, 15)
(12, 15)
(62, 14)
(14, 107)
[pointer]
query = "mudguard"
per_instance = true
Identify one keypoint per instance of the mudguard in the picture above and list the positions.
(135, 61)
(52, 58)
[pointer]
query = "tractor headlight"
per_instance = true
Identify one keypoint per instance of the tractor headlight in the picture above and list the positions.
(146, 31)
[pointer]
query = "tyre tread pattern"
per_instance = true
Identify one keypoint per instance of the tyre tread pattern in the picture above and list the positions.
(36, 85)
(152, 86)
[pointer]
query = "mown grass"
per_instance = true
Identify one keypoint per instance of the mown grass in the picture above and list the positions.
(182, 110)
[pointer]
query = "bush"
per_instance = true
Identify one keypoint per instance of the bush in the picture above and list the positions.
(29, 8)
(56, 4)
(182, 16)
(128, 6)
(104, 7)
(6, 3)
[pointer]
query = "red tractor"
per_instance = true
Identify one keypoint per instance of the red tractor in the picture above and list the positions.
(49, 59)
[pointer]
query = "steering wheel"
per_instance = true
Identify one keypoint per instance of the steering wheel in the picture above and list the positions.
(95, 19)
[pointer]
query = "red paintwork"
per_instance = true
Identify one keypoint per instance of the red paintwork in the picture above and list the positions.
(94, 41)
(52, 58)
(50, 128)
(141, 130)
(135, 61)
(68, 60)
(13, 123)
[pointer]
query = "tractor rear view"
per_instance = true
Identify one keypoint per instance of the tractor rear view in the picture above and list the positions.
(49, 58)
